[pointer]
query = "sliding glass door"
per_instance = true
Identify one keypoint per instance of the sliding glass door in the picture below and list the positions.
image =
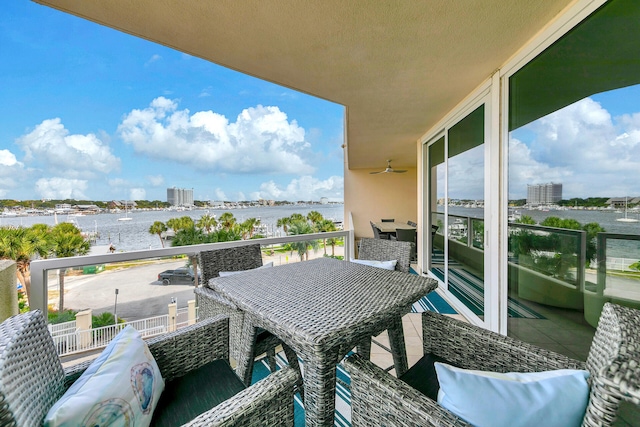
(455, 198)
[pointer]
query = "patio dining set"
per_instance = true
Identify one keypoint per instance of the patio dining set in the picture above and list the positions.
(318, 312)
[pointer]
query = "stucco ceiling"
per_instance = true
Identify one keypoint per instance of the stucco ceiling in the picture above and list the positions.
(397, 66)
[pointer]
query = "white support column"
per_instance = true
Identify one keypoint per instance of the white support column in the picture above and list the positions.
(191, 311)
(173, 313)
(84, 328)
(8, 291)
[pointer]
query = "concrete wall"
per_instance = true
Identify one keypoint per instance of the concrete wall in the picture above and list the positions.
(372, 197)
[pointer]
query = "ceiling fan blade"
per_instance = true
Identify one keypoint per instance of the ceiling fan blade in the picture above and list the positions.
(398, 171)
(375, 173)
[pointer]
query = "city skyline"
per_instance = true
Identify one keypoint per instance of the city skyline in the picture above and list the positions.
(88, 110)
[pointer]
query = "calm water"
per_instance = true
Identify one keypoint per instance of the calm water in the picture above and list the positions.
(134, 234)
(606, 219)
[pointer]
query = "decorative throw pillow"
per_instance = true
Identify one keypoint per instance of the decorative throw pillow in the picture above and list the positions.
(551, 398)
(386, 265)
(231, 273)
(121, 387)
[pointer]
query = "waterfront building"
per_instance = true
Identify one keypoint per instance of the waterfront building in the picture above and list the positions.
(180, 196)
(544, 194)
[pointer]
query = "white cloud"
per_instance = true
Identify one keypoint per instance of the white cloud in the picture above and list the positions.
(303, 188)
(155, 180)
(78, 156)
(137, 194)
(7, 158)
(261, 140)
(153, 59)
(582, 147)
(118, 183)
(61, 188)
(220, 195)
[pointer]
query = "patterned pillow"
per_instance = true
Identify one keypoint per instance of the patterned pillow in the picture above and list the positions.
(121, 387)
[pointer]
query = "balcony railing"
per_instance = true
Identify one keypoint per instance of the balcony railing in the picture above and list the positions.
(40, 268)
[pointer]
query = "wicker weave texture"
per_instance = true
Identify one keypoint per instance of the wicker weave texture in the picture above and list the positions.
(31, 376)
(210, 303)
(378, 399)
(322, 309)
(386, 250)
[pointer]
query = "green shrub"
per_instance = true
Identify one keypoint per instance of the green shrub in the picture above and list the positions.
(57, 317)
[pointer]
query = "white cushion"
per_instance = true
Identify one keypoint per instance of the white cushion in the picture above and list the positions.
(551, 398)
(120, 388)
(231, 273)
(387, 265)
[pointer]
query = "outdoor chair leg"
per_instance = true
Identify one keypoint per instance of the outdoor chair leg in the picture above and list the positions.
(364, 348)
(271, 357)
(292, 358)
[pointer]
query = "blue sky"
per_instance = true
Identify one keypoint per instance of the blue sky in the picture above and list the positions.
(87, 112)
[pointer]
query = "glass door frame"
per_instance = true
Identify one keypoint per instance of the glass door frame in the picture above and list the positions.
(483, 96)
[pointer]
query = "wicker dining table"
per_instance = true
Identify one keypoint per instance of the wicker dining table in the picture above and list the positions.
(323, 309)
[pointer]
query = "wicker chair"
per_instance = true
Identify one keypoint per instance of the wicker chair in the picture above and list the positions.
(32, 378)
(385, 250)
(210, 303)
(377, 234)
(379, 399)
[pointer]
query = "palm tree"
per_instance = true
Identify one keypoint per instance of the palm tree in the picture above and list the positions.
(158, 228)
(67, 242)
(174, 224)
(325, 226)
(249, 226)
(284, 223)
(297, 217)
(302, 227)
(315, 217)
(20, 245)
(207, 222)
(227, 220)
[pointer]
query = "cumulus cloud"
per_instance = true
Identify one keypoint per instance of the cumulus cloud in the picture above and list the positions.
(61, 188)
(11, 172)
(137, 194)
(220, 194)
(79, 156)
(155, 180)
(583, 147)
(303, 188)
(261, 140)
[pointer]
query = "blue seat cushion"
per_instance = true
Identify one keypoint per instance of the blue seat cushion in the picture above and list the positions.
(186, 397)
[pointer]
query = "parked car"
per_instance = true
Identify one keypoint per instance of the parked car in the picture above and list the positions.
(179, 276)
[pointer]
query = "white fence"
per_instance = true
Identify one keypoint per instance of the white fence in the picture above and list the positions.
(69, 340)
(620, 264)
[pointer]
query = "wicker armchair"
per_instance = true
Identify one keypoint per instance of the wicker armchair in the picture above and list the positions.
(211, 303)
(385, 250)
(379, 399)
(32, 378)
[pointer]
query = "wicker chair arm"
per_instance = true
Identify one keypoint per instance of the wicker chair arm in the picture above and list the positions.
(186, 349)
(473, 347)
(379, 399)
(267, 403)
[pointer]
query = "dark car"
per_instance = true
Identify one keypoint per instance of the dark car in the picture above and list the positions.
(179, 276)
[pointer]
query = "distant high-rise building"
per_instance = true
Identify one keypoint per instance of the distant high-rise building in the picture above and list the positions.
(544, 194)
(180, 196)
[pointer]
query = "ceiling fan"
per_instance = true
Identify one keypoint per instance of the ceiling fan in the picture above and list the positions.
(389, 169)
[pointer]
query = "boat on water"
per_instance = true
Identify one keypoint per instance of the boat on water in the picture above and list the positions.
(626, 217)
(126, 216)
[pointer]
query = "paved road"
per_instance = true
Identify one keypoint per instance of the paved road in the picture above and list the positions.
(140, 295)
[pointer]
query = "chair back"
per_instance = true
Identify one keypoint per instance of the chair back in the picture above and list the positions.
(411, 223)
(376, 231)
(229, 259)
(31, 375)
(386, 250)
(406, 234)
(613, 364)
(388, 220)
